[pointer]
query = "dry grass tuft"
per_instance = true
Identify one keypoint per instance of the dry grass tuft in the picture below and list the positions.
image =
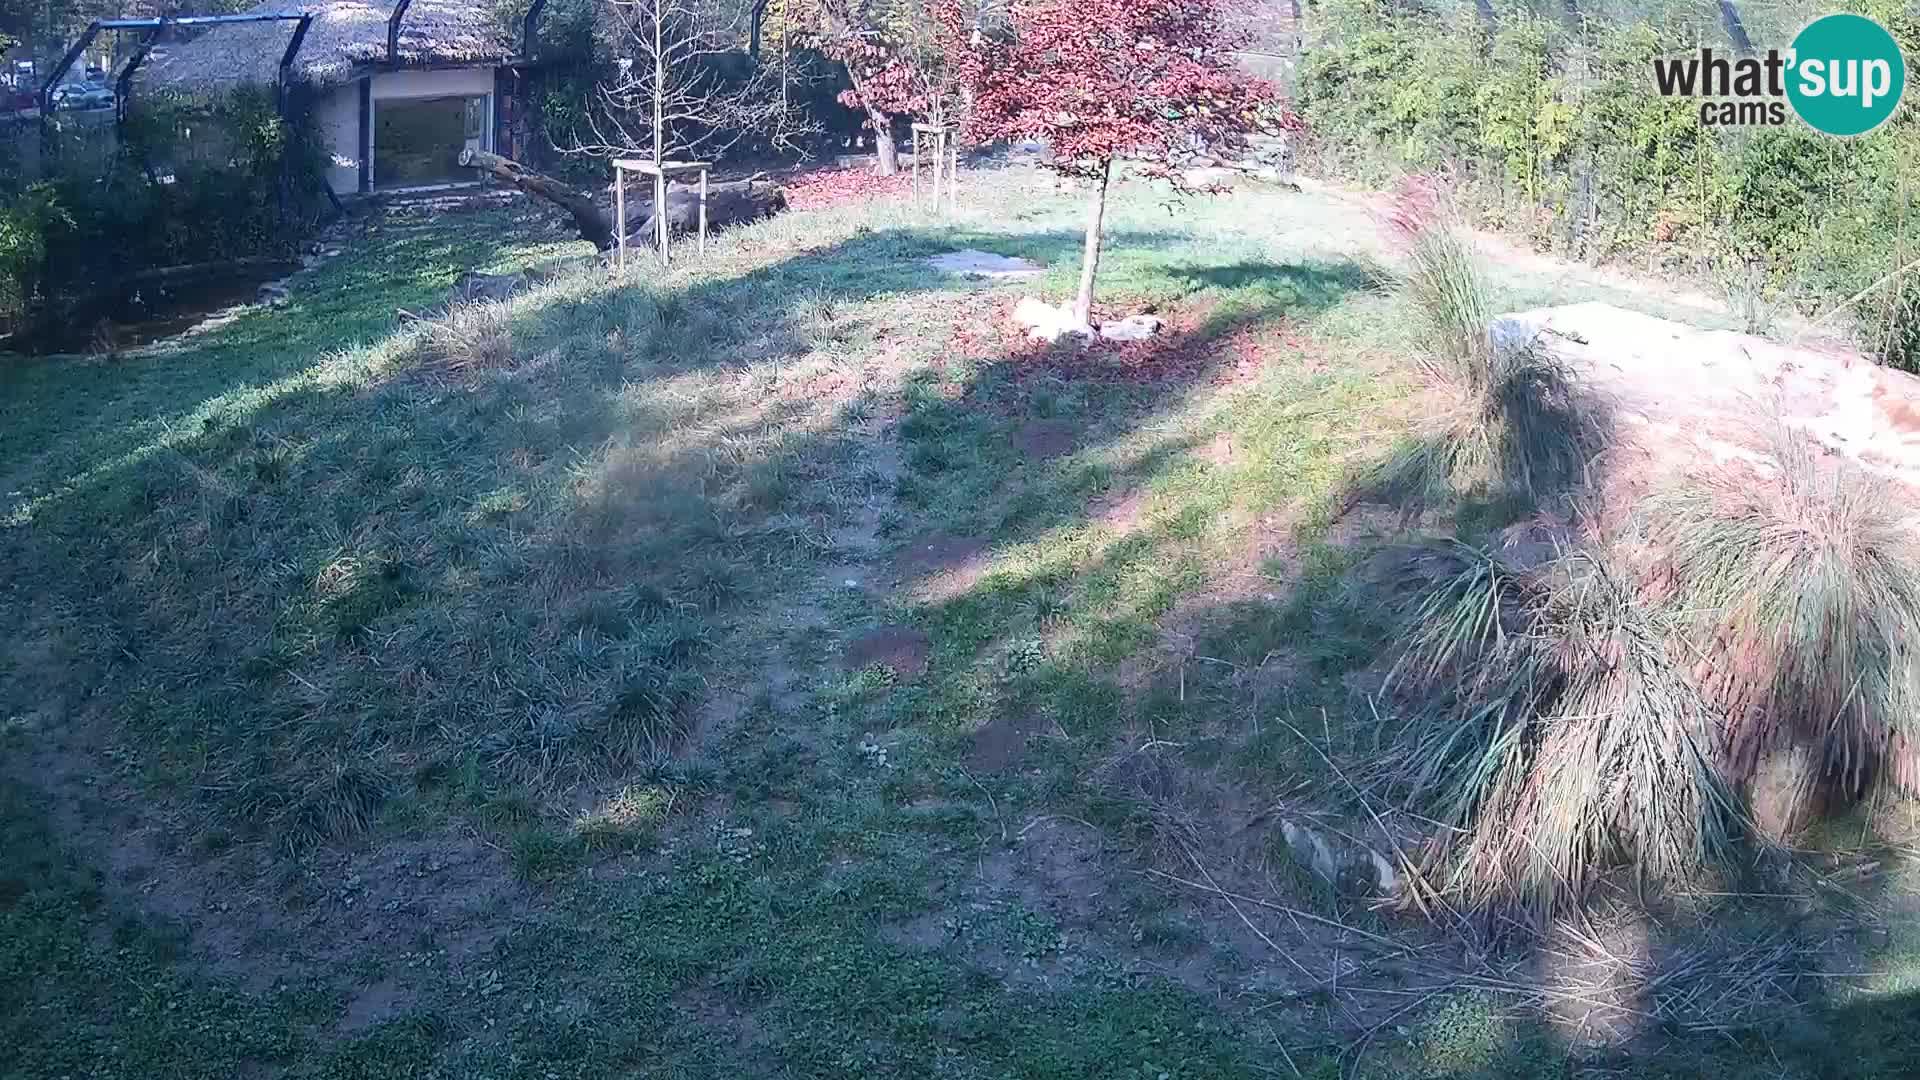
(1552, 732)
(1610, 706)
(473, 335)
(1516, 420)
(1801, 580)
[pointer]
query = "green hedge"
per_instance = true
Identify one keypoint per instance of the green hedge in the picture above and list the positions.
(191, 181)
(1557, 133)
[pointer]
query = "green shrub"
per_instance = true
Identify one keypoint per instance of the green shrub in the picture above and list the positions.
(25, 223)
(192, 181)
(1563, 139)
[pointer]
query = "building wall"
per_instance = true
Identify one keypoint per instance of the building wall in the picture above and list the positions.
(337, 114)
(467, 82)
(337, 117)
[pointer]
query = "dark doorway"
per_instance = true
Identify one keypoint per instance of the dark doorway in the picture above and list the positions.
(417, 141)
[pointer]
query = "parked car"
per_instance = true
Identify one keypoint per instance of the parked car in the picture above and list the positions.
(83, 95)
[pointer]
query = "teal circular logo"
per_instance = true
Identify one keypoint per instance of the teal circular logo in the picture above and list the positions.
(1846, 75)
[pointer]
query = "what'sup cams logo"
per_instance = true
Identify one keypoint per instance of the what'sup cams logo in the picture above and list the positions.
(1844, 76)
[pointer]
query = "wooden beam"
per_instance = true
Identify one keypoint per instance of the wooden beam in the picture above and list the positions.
(530, 27)
(283, 90)
(366, 134)
(393, 30)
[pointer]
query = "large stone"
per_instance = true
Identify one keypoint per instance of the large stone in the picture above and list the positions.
(1351, 868)
(984, 264)
(1044, 322)
(1131, 328)
(1210, 176)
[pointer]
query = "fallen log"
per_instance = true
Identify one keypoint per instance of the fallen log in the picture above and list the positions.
(592, 222)
(734, 203)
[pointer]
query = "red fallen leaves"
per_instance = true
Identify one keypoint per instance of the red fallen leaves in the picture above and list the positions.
(1192, 347)
(832, 187)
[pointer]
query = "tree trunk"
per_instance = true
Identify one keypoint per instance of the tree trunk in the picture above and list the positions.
(756, 22)
(587, 217)
(733, 203)
(883, 145)
(1736, 27)
(1090, 260)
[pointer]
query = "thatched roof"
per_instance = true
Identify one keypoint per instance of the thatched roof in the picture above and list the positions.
(346, 35)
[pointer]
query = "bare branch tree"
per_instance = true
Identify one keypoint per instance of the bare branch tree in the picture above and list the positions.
(685, 84)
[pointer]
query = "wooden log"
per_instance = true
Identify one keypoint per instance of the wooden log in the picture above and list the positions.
(734, 203)
(587, 216)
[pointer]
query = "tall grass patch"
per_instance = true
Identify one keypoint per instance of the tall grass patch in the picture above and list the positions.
(1550, 731)
(1511, 420)
(1801, 578)
(1744, 651)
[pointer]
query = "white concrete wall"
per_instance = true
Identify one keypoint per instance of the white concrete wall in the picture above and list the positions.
(465, 82)
(337, 116)
(338, 113)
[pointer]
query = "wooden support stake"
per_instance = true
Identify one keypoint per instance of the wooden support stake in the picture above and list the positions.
(620, 215)
(660, 227)
(703, 213)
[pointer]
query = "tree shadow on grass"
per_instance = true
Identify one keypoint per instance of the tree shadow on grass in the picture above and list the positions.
(1066, 585)
(331, 556)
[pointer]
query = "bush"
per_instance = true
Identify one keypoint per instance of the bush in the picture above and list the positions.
(1516, 424)
(25, 224)
(1803, 584)
(1558, 735)
(1561, 138)
(1624, 701)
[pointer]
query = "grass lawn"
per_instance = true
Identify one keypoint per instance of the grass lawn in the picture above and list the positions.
(767, 667)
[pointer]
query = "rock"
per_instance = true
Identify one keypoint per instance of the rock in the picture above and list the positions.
(494, 287)
(1044, 322)
(1131, 328)
(1510, 334)
(1351, 868)
(1210, 176)
(984, 264)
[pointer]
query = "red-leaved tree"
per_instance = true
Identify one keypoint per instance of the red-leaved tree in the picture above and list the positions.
(1098, 80)
(897, 55)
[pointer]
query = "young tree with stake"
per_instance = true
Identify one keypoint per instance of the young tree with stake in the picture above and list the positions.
(1101, 80)
(898, 55)
(683, 87)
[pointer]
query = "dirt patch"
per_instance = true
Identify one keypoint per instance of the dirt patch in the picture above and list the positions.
(712, 1010)
(1002, 744)
(938, 566)
(715, 717)
(1192, 347)
(1219, 451)
(374, 1005)
(926, 933)
(901, 649)
(1121, 511)
(1055, 868)
(935, 552)
(1041, 440)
